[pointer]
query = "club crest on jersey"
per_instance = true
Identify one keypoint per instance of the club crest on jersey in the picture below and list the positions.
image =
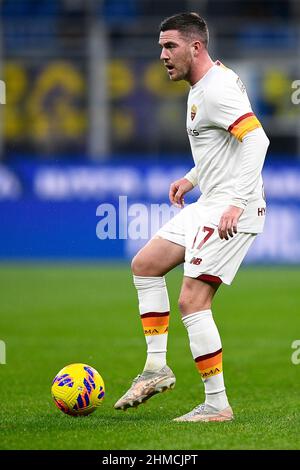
(193, 111)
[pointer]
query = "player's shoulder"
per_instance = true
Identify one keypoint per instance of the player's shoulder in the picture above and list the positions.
(222, 83)
(221, 77)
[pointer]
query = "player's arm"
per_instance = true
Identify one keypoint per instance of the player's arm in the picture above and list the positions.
(182, 186)
(192, 176)
(229, 108)
(254, 147)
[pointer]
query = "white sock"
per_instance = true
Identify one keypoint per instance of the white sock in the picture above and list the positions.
(155, 361)
(217, 400)
(206, 347)
(154, 309)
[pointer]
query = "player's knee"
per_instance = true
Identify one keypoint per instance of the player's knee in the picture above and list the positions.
(189, 304)
(185, 303)
(140, 266)
(193, 299)
(136, 266)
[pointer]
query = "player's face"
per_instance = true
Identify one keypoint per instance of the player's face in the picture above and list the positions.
(176, 54)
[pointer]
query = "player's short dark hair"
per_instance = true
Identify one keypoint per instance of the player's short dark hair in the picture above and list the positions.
(188, 24)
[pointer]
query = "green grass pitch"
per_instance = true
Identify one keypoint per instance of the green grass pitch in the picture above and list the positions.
(54, 315)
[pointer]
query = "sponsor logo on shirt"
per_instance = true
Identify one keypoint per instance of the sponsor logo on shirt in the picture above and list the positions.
(192, 132)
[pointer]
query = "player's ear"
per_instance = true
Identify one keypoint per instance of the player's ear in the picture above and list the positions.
(197, 47)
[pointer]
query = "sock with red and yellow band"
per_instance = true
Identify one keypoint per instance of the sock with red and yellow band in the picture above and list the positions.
(206, 347)
(210, 364)
(154, 310)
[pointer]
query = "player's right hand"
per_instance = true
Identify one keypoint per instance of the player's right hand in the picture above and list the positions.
(177, 190)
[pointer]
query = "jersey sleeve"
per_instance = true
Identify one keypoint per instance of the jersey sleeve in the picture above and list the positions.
(253, 152)
(228, 107)
(192, 176)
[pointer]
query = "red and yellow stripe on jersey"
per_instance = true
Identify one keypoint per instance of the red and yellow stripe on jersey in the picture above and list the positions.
(210, 364)
(244, 124)
(155, 323)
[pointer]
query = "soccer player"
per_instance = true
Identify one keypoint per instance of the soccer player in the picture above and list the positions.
(212, 235)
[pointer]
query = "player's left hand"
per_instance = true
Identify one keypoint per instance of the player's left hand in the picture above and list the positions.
(228, 223)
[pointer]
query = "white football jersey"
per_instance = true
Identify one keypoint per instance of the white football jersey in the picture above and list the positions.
(219, 116)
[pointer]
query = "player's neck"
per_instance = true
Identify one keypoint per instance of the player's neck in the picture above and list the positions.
(201, 69)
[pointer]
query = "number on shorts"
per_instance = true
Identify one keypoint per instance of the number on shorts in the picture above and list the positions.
(207, 236)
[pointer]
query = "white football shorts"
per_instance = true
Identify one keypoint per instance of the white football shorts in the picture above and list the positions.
(207, 257)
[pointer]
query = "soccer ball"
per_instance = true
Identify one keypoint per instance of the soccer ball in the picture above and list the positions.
(78, 389)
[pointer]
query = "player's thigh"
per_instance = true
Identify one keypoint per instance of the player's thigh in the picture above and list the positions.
(157, 257)
(196, 295)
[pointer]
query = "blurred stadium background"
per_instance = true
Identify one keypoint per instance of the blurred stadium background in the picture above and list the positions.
(90, 115)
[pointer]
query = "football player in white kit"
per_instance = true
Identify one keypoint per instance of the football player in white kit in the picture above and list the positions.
(211, 236)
